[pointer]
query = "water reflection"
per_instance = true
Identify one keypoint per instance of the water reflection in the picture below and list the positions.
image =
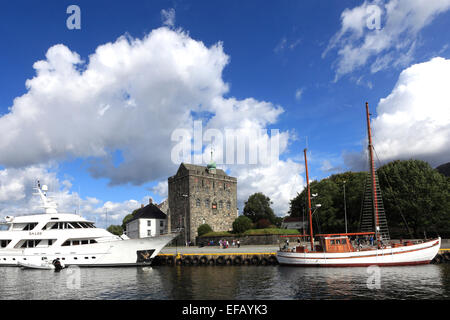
(221, 282)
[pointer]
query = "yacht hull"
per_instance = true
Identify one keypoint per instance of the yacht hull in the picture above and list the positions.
(130, 252)
(415, 254)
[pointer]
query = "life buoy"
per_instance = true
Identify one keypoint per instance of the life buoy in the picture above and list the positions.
(447, 256)
(211, 262)
(203, 260)
(237, 261)
(220, 260)
(229, 262)
(264, 261)
(195, 261)
(255, 260)
(438, 259)
(247, 261)
(273, 260)
(187, 261)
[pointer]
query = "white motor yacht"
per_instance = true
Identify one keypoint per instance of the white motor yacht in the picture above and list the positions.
(36, 238)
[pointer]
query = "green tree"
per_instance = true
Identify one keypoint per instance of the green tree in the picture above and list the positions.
(263, 224)
(258, 207)
(242, 224)
(416, 197)
(127, 218)
(115, 229)
(330, 217)
(203, 229)
(278, 221)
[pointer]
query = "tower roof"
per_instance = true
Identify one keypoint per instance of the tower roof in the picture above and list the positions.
(194, 167)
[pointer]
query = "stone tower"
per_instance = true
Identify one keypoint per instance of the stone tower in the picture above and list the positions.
(199, 195)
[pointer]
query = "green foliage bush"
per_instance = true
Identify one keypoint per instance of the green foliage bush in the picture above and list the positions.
(114, 229)
(263, 223)
(242, 224)
(204, 229)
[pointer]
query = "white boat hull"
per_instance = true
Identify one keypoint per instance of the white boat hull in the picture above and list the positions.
(416, 254)
(42, 266)
(129, 252)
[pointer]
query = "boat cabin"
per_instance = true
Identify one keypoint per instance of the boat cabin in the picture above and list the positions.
(337, 244)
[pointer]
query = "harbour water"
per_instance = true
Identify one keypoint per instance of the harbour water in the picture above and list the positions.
(221, 282)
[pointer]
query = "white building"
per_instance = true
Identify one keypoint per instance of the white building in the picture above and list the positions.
(148, 221)
(294, 223)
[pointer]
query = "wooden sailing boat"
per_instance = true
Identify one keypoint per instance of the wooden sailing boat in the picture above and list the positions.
(336, 250)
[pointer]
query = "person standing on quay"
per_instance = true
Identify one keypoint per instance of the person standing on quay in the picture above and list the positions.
(238, 243)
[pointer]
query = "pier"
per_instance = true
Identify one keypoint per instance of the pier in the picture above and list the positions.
(215, 256)
(233, 256)
(442, 257)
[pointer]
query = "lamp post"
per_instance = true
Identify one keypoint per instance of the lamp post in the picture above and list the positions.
(317, 207)
(314, 196)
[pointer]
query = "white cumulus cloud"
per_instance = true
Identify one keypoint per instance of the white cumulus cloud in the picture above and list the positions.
(413, 121)
(119, 107)
(381, 33)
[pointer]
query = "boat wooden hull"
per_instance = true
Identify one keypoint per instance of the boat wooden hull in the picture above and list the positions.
(416, 254)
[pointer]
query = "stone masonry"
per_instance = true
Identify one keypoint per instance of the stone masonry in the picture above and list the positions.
(199, 195)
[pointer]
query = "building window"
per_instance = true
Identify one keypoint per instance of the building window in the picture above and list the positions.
(161, 224)
(220, 204)
(149, 223)
(214, 205)
(207, 203)
(149, 233)
(228, 205)
(198, 203)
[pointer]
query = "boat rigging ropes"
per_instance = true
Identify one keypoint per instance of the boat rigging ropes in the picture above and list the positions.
(390, 187)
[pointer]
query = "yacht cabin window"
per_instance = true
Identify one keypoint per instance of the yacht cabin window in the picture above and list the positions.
(30, 226)
(68, 225)
(76, 242)
(4, 243)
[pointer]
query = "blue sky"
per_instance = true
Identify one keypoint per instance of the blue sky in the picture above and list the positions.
(316, 62)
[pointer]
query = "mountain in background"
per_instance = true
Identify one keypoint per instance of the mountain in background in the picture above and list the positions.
(444, 169)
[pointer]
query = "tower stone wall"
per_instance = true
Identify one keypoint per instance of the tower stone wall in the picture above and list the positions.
(199, 195)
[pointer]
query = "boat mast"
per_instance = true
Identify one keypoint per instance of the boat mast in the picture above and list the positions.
(372, 174)
(309, 203)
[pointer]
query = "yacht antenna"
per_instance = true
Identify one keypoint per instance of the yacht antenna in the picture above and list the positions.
(48, 204)
(79, 213)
